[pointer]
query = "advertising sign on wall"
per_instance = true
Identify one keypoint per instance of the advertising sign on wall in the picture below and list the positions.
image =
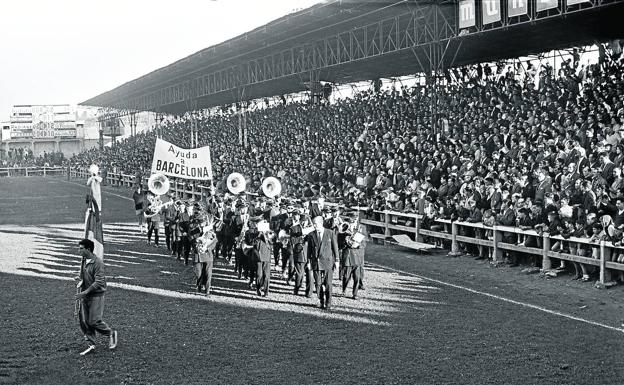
(491, 11)
(517, 7)
(467, 14)
(543, 5)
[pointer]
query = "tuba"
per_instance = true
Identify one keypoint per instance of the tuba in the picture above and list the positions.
(158, 184)
(236, 183)
(271, 187)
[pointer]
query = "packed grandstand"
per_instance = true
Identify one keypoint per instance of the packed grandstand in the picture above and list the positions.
(527, 146)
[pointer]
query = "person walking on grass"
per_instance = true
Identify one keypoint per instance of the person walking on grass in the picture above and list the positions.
(92, 287)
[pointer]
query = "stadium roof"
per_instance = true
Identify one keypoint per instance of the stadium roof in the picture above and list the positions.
(245, 67)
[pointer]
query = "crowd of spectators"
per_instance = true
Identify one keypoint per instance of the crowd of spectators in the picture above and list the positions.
(24, 157)
(525, 146)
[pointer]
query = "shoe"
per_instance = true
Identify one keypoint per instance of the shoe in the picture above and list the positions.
(355, 297)
(265, 294)
(88, 350)
(322, 305)
(258, 292)
(112, 344)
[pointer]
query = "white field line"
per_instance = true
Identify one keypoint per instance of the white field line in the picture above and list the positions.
(103, 191)
(498, 297)
(39, 197)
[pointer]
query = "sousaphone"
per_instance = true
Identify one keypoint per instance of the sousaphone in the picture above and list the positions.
(158, 184)
(271, 187)
(236, 183)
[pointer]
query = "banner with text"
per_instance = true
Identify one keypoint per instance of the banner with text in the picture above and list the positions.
(178, 162)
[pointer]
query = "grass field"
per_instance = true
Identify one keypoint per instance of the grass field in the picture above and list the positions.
(423, 319)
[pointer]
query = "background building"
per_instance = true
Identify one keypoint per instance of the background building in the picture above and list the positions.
(61, 128)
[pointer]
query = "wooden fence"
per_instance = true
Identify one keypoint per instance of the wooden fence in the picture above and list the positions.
(383, 224)
(181, 188)
(32, 171)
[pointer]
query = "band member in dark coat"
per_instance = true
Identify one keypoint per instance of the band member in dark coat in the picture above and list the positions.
(227, 234)
(218, 210)
(352, 255)
(262, 247)
(169, 225)
(322, 250)
(277, 224)
(302, 264)
(250, 255)
(241, 225)
(139, 202)
(204, 247)
(184, 243)
(288, 263)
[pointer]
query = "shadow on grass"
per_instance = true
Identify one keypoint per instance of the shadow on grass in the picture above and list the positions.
(53, 252)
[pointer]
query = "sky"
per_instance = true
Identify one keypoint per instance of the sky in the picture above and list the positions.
(67, 51)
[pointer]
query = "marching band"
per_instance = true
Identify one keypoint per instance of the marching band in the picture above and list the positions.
(302, 239)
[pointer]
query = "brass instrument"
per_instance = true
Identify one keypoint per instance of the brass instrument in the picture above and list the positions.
(236, 183)
(207, 239)
(155, 206)
(283, 237)
(241, 238)
(271, 187)
(158, 184)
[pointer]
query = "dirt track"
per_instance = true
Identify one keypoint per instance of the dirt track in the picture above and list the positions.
(403, 330)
